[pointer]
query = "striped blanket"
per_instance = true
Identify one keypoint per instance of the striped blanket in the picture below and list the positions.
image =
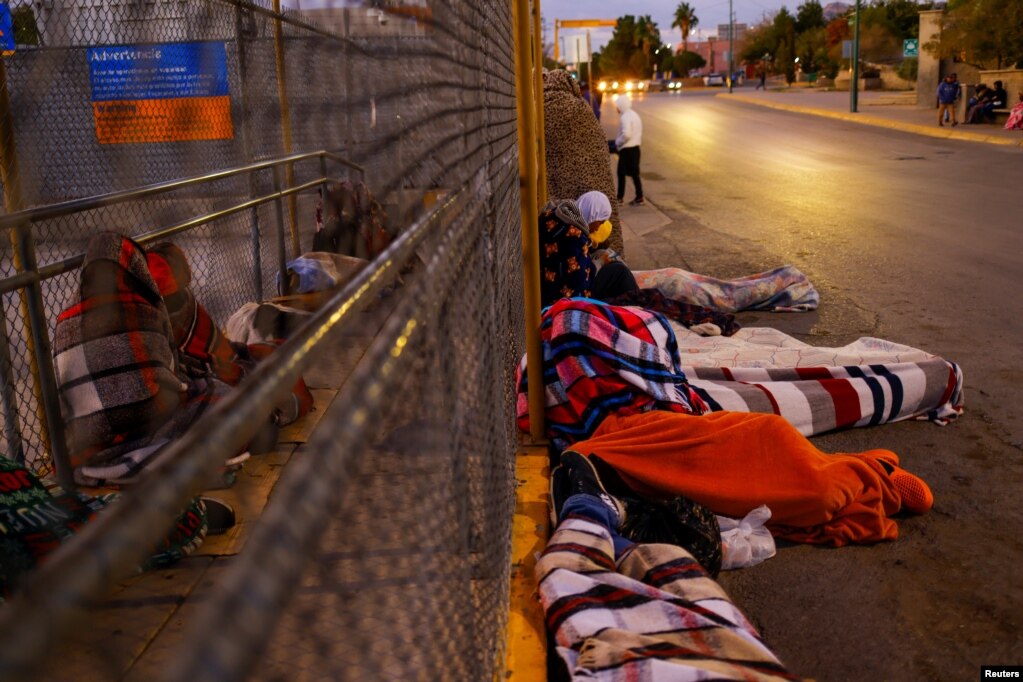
(867, 382)
(600, 359)
(656, 616)
(820, 399)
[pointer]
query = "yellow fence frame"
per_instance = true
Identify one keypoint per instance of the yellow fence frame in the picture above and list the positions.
(526, 641)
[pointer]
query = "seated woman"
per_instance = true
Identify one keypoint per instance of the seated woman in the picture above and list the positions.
(1015, 121)
(124, 391)
(978, 104)
(568, 232)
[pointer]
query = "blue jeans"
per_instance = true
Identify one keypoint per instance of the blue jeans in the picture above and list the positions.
(593, 509)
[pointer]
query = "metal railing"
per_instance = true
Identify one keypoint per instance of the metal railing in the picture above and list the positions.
(31, 278)
(389, 530)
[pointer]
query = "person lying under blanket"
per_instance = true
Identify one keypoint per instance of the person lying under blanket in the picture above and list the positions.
(124, 393)
(620, 610)
(733, 462)
(204, 349)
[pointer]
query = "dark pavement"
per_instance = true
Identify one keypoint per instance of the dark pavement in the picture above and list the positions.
(908, 237)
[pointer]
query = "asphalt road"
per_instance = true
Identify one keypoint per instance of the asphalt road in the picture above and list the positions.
(907, 238)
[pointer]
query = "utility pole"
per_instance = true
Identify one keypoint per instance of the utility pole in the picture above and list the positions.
(854, 85)
(731, 46)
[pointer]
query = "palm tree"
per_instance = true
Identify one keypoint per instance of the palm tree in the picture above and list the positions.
(685, 21)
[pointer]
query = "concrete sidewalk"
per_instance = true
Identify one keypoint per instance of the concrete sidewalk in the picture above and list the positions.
(894, 110)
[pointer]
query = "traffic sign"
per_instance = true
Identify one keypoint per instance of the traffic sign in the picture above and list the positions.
(911, 47)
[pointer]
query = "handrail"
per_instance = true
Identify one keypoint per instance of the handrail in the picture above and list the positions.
(23, 279)
(29, 278)
(110, 547)
(112, 198)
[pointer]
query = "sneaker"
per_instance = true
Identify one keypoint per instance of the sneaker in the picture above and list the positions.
(577, 476)
(637, 202)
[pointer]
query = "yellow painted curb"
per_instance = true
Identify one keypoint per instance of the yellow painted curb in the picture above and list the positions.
(526, 637)
(878, 122)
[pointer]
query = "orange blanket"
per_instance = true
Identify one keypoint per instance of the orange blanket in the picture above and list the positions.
(735, 461)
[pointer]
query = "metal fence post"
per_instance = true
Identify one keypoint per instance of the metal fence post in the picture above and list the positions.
(282, 93)
(241, 32)
(526, 112)
(33, 311)
(8, 396)
(541, 142)
(282, 256)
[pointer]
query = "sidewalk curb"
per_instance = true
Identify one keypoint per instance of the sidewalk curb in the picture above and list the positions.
(867, 119)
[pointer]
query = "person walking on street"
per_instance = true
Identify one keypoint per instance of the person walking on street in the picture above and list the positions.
(630, 134)
(948, 93)
(763, 80)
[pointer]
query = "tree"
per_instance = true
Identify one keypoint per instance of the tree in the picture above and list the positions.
(685, 21)
(809, 16)
(988, 32)
(812, 50)
(684, 62)
(632, 50)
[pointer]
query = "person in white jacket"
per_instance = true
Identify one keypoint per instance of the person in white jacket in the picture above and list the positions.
(630, 134)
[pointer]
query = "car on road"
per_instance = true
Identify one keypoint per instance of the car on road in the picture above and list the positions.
(714, 79)
(666, 85)
(622, 85)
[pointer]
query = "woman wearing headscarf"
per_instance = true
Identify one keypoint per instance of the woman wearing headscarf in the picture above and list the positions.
(577, 155)
(568, 232)
(613, 277)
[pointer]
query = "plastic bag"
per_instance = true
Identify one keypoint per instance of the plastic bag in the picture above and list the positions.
(746, 542)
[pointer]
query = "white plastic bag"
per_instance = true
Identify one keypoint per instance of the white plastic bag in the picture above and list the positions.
(746, 542)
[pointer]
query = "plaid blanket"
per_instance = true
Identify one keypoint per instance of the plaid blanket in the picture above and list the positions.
(784, 289)
(678, 312)
(656, 616)
(116, 367)
(204, 350)
(600, 359)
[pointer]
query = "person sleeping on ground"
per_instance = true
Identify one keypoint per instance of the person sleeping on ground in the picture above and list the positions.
(601, 359)
(203, 348)
(124, 393)
(733, 462)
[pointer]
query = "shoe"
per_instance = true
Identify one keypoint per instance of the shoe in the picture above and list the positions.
(955, 123)
(577, 476)
(637, 202)
(916, 495)
(940, 124)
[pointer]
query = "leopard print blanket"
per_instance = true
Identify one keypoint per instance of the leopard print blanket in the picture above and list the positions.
(578, 160)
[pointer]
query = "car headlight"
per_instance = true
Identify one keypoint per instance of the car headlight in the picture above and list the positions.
(615, 85)
(642, 85)
(628, 86)
(602, 86)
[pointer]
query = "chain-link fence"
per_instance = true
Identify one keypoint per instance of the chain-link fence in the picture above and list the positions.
(384, 551)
